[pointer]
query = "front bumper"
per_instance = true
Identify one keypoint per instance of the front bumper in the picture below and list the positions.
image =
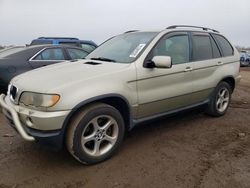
(43, 127)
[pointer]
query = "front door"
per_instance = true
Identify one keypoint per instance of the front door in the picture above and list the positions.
(165, 89)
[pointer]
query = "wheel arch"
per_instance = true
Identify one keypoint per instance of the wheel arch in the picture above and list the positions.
(116, 100)
(230, 80)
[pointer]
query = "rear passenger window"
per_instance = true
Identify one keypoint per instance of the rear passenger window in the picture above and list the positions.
(216, 51)
(226, 47)
(202, 49)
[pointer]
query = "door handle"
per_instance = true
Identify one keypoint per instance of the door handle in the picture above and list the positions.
(220, 63)
(188, 69)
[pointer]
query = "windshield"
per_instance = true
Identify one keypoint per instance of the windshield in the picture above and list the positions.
(123, 48)
(9, 51)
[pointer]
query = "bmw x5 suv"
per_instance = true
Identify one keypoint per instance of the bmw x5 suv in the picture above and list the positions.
(88, 105)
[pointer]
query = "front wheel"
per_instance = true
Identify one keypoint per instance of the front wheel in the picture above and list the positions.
(220, 100)
(95, 133)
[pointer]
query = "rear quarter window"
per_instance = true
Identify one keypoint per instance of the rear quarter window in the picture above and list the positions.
(225, 46)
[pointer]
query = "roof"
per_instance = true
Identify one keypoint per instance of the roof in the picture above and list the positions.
(56, 40)
(194, 27)
(181, 28)
(51, 46)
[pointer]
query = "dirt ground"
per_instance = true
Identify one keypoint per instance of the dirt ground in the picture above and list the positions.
(188, 150)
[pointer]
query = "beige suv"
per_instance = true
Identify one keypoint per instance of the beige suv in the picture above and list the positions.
(88, 105)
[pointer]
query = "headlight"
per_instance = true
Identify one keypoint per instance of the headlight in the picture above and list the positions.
(39, 100)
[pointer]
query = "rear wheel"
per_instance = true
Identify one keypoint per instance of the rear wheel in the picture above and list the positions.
(220, 100)
(95, 133)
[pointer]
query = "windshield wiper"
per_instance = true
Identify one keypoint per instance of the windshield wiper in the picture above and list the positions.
(102, 59)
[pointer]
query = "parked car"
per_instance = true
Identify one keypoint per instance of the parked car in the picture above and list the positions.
(87, 45)
(18, 60)
(244, 59)
(131, 78)
(10, 50)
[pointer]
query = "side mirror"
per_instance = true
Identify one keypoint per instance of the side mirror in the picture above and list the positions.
(160, 62)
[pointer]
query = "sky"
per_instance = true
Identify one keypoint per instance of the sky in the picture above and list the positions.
(97, 20)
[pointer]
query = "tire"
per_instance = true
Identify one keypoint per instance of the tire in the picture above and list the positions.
(95, 133)
(244, 64)
(218, 104)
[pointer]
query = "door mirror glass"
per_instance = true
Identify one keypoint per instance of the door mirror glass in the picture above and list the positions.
(162, 61)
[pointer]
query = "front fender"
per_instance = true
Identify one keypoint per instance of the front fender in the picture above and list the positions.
(81, 105)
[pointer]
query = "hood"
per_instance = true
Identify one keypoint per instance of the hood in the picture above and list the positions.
(62, 74)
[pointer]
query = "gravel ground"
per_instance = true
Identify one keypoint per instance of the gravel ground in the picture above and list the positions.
(188, 150)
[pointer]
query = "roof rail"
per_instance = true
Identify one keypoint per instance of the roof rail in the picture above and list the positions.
(68, 38)
(131, 31)
(203, 28)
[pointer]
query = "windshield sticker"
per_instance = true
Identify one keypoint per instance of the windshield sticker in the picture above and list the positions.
(137, 50)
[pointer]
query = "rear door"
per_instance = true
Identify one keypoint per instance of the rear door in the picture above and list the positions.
(206, 58)
(48, 56)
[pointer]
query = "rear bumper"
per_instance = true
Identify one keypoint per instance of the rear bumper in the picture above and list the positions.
(40, 128)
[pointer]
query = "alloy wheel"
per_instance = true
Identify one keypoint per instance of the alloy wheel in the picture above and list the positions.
(100, 135)
(222, 101)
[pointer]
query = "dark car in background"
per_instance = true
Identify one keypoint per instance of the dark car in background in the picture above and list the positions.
(10, 50)
(87, 45)
(18, 60)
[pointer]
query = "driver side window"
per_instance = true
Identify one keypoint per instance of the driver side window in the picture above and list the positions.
(177, 47)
